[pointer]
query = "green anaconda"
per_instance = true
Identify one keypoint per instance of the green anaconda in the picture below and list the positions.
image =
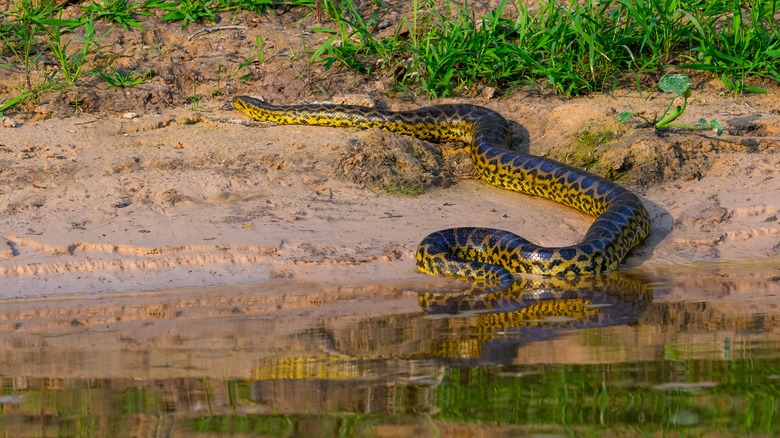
(622, 222)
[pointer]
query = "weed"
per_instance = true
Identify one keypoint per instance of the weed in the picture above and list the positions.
(188, 11)
(353, 41)
(241, 66)
(121, 12)
(573, 47)
(680, 85)
(261, 6)
(195, 98)
(20, 40)
(218, 91)
(259, 48)
(72, 64)
(258, 56)
(736, 46)
(21, 36)
(444, 48)
(120, 78)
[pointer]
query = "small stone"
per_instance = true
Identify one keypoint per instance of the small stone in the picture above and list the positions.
(9, 122)
(129, 115)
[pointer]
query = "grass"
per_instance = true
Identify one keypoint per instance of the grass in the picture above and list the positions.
(122, 12)
(120, 78)
(570, 48)
(72, 63)
(443, 48)
(33, 32)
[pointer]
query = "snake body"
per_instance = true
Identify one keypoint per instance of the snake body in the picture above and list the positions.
(493, 255)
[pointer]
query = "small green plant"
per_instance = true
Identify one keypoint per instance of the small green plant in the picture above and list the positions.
(680, 85)
(21, 33)
(354, 40)
(19, 39)
(218, 91)
(121, 12)
(572, 46)
(257, 56)
(119, 78)
(240, 67)
(72, 64)
(260, 48)
(737, 44)
(195, 98)
(188, 11)
(261, 6)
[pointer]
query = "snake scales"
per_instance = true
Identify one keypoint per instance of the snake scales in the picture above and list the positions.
(493, 255)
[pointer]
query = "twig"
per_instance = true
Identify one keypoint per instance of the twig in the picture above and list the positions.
(217, 28)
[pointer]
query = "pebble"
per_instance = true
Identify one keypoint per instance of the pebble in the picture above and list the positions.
(8, 122)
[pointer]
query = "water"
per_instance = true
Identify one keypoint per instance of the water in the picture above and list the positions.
(693, 351)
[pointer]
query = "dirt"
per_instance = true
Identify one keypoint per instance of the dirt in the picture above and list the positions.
(154, 186)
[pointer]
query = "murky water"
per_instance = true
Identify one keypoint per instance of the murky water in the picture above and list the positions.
(696, 350)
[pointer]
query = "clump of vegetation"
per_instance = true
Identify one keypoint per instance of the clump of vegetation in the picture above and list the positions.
(122, 12)
(121, 78)
(31, 31)
(680, 86)
(443, 48)
(571, 47)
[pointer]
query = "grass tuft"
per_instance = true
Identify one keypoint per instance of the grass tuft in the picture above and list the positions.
(444, 48)
(570, 47)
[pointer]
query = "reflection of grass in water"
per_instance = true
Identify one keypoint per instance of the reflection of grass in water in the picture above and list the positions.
(136, 401)
(270, 425)
(742, 395)
(582, 399)
(686, 396)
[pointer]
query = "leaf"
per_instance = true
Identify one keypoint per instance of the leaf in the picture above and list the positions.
(625, 115)
(675, 83)
(728, 82)
(716, 126)
(13, 101)
(752, 89)
(739, 87)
